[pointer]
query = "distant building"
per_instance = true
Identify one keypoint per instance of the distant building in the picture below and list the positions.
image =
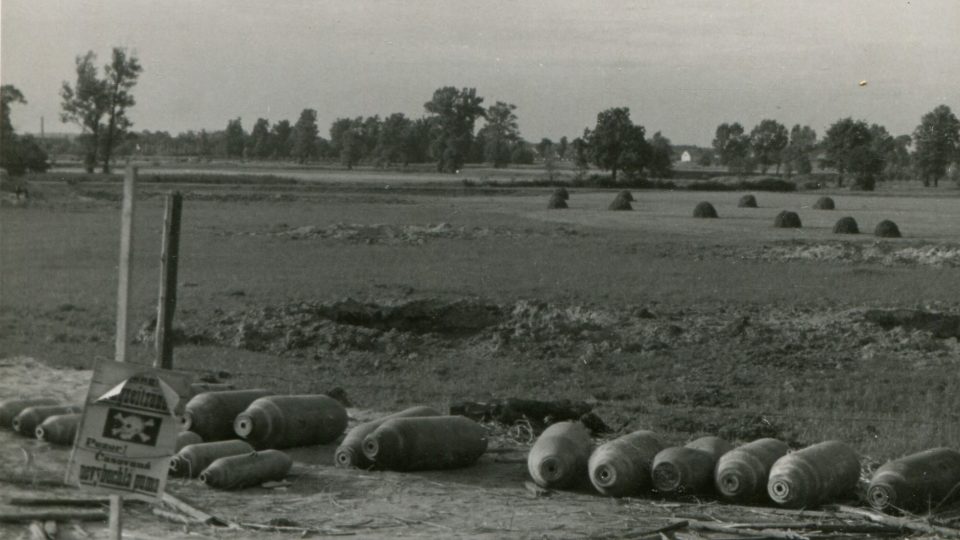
(685, 157)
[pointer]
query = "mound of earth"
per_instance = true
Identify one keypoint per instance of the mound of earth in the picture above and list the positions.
(405, 234)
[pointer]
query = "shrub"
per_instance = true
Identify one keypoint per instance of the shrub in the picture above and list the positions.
(846, 225)
(621, 202)
(787, 220)
(768, 184)
(887, 229)
(705, 210)
(824, 203)
(562, 193)
(556, 202)
(747, 201)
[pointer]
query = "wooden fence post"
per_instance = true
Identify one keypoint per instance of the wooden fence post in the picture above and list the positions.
(126, 263)
(167, 303)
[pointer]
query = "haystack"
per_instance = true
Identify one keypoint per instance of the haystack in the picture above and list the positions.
(557, 201)
(562, 193)
(787, 220)
(621, 202)
(747, 201)
(846, 225)
(887, 229)
(824, 203)
(704, 210)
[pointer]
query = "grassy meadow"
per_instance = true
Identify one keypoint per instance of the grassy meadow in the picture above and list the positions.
(682, 325)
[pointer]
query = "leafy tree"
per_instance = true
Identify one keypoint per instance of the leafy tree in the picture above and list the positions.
(304, 136)
(390, 141)
(281, 136)
(521, 153)
(581, 157)
(937, 140)
(768, 139)
(260, 143)
(544, 147)
(848, 147)
(616, 143)
(661, 160)
(346, 141)
(500, 134)
(85, 104)
(17, 154)
(456, 112)
(898, 161)
(562, 147)
(120, 76)
(234, 138)
(204, 145)
(799, 151)
(732, 147)
(705, 159)
(416, 141)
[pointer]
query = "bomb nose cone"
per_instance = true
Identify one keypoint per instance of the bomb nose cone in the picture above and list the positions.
(16, 424)
(551, 468)
(243, 426)
(40, 433)
(605, 475)
(344, 457)
(666, 477)
(881, 496)
(729, 483)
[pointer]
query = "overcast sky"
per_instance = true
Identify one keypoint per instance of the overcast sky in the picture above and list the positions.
(681, 66)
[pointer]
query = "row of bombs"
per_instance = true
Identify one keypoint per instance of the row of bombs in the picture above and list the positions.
(757, 472)
(43, 418)
(784, 220)
(417, 438)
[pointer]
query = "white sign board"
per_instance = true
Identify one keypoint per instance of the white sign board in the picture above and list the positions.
(128, 431)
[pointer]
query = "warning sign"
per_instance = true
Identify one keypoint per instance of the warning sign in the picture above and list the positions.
(128, 431)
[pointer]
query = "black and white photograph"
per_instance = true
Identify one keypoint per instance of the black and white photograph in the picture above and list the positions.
(599, 269)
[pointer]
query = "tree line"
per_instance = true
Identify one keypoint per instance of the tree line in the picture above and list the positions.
(447, 136)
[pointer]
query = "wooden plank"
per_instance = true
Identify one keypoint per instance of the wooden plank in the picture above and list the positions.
(126, 263)
(195, 513)
(26, 516)
(116, 518)
(59, 501)
(907, 524)
(169, 262)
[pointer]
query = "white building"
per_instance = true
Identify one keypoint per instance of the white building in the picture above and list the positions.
(685, 156)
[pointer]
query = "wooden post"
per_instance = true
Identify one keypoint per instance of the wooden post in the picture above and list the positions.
(123, 304)
(167, 303)
(126, 262)
(116, 519)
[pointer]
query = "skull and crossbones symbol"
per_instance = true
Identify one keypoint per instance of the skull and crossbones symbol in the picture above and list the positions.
(131, 426)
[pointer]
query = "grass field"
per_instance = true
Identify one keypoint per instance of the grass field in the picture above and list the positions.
(680, 325)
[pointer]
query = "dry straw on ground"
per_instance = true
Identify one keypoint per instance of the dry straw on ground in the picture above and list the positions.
(824, 203)
(887, 229)
(747, 201)
(846, 225)
(787, 220)
(704, 210)
(622, 201)
(557, 202)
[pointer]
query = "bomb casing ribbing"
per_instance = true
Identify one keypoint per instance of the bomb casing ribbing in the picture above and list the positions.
(742, 473)
(211, 414)
(688, 469)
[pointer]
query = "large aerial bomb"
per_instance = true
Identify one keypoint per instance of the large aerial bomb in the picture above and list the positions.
(186, 438)
(688, 469)
(742, 473)
(621, 467)
(9, 409)
(424, 443)
(60, 429)
(210, 414)
(252, 469)
(559, 458)
(814, 475)
(918, 482)
(289, 421)
(192, 459)
(27, 421)
(350, 451)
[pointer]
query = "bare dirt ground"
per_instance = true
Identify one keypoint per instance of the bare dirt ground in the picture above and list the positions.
(427, 296)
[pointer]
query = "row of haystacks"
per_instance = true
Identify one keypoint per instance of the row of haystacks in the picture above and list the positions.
(784, 220)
